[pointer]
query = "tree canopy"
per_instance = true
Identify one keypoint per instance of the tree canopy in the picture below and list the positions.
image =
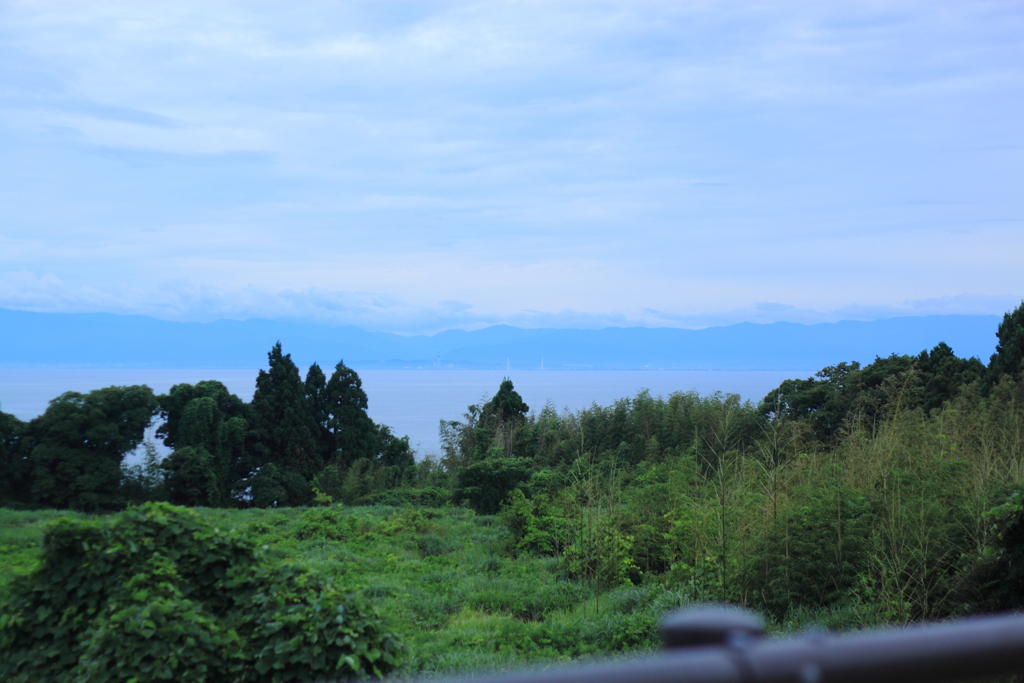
(352, 433)
(76, 447)
(224, 452)
(1009, 356)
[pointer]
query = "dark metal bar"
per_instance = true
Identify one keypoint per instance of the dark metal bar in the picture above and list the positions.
(729, 649)
(965, 649)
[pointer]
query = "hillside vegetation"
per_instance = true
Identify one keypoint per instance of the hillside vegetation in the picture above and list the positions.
(441, 577)
(864, 495)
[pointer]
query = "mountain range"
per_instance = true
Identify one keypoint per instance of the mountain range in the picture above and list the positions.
(30, 339)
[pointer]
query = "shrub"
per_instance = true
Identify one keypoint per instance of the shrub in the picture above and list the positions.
(408, 521)
(996, 581)
(485, 484)
(156, 593)
(431, 545)
(533, 527)
(816, 555)
(319, 523)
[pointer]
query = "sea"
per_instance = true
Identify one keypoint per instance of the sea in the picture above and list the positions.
(411, 402)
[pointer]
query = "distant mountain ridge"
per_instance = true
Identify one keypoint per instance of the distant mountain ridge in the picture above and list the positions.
(30, 339)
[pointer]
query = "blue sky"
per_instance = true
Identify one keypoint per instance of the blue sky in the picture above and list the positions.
(417, 166)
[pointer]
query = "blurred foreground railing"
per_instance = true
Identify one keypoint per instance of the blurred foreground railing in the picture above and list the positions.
(726, 645)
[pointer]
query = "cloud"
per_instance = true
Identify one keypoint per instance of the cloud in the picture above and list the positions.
(961, 304)
(185, 301)
(570, 319)
(772, 307)
(543, 163)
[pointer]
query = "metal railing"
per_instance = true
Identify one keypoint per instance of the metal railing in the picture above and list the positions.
(727, 645)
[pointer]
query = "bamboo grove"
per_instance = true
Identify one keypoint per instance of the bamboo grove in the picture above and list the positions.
(883, 493)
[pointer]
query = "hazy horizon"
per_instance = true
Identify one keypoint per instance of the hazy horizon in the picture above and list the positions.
(808, 319)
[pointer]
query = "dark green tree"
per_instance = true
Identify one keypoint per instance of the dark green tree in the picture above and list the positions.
(205, 425)
(485, 485)
(394, 458)
(885, 381)
(352, 433)
(824, 401)
(506, 415)
(174, 403)
(316, 397)
(194, 478)
(15, 469)
(1009, 356)
(394, 451)
(78, 444)
(941, 376)
(848, 394)
(996, 581)
(283, 432)
(507, 406)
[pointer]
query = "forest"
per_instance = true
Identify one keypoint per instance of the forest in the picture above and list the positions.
(294, 436)
(865, 495)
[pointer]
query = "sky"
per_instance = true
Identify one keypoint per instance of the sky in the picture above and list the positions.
(414, 167)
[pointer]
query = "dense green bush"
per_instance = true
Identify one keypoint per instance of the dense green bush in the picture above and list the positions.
(485, 484)
(996, 582)
(814, 554)
(156, 594)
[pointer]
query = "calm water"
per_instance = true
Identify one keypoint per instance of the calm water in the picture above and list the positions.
(412, 402)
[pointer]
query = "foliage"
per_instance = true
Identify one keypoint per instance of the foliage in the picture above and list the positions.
(814, 554)
(1009, 356)
(176, 405)
(485, 484)
(14, 466)
(353, 435)
(846, 395)
(76, 447)
(535, 527)
(943, 376)
(316, 403)
(441, 578)
(996, 582)
(194, 477)
(156, 593)
(507, 406)
(864, 495)
(283, 434)
(352, 431)
(145, 481)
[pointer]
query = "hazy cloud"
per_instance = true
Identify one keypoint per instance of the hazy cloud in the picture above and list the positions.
(183, 300)
(962, 304)
(543, 164)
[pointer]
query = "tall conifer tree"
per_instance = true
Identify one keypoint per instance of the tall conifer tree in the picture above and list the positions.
(316, 397)
(1009, 356)
(283, 434)
(353, 433)
(14, 465)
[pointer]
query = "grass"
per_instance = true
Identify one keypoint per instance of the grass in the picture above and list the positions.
(21, 536)
(441, 578)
